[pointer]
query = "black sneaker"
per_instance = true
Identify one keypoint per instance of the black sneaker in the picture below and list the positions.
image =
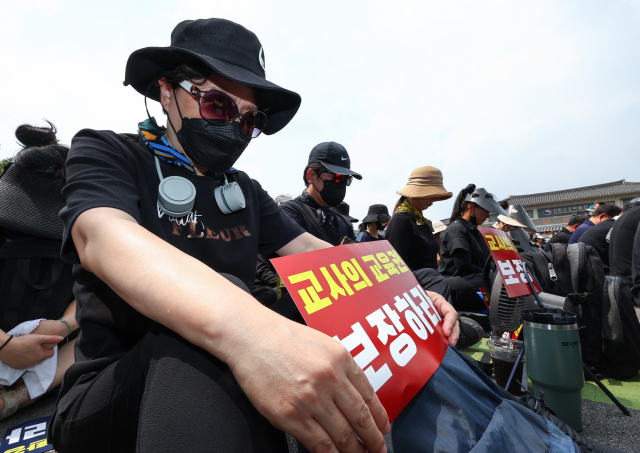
(538, 406)
(470, 332)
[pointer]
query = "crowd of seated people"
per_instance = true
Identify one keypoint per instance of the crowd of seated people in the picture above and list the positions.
(184, 343)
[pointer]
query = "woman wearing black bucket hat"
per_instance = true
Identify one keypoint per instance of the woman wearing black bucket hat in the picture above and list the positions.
(375, 222)
(175, 355)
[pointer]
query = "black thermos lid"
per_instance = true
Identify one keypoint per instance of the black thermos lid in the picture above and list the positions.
(551, 316)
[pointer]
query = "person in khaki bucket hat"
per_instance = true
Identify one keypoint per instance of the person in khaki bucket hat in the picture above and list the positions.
(412, 236)
(425, 182)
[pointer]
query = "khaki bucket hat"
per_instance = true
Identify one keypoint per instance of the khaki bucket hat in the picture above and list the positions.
(425, 182)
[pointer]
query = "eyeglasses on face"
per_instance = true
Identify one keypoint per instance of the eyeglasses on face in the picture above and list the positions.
(338, 178)
(218, 108)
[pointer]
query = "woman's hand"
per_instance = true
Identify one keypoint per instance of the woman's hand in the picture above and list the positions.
(28, 350)
(450, 326)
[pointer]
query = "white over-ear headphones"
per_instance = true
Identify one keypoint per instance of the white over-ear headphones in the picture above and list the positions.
(176, 195)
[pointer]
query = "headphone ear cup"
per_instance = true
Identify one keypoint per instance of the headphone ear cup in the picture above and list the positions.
(230, 198)
(176, 196)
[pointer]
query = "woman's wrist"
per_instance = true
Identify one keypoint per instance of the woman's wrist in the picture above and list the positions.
(4, 344)
(67, 327)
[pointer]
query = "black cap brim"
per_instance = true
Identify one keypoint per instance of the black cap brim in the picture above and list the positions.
(147, 64)
(341, 170)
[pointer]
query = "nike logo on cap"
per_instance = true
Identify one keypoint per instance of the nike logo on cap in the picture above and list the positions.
(344, 158)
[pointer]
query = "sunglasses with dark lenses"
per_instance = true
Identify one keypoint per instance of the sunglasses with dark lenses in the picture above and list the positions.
(338, 178)
(220, 109)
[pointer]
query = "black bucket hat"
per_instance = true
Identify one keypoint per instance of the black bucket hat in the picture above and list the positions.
(228, 49)
(30, 202)
(377, 213)
(343, 208)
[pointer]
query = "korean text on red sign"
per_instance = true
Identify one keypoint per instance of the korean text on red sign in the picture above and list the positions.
(508, 262)
(365, 296)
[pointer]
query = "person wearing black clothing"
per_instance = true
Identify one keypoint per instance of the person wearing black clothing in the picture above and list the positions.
(174, 354)
(411, 235)
(635, 267)
(36, 285)
(327, 175)
(565, 234)
(463, 251)
(604, 212)
(597, 238)
(621, 245)
(343, 208)
(374, 223)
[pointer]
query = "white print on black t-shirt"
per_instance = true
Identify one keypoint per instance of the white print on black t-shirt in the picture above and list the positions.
(193, 232)
(182, 221)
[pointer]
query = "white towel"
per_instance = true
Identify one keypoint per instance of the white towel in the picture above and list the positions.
(37, 378)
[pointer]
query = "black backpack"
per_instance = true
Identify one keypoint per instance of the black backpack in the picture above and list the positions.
(34, 281)
(609, 327)
(620, 330)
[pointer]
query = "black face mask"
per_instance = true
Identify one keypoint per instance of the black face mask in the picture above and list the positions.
(333, 193)
(215, 148)
(473, 219)
(380, 226)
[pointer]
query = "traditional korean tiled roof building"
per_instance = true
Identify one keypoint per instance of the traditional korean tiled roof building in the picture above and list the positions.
(550, 211)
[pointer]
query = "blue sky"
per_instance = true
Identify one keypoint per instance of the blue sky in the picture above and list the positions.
(516, 97)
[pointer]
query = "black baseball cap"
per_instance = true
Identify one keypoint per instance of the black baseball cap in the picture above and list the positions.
(334, 157)
(226, 48)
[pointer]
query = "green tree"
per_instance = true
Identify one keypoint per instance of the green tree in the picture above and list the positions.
(4, 162)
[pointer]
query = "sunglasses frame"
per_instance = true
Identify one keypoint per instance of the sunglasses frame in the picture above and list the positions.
(348, 178)
(199, 95)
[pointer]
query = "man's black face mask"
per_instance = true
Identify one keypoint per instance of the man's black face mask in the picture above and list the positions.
(213, 147)
(333, 193)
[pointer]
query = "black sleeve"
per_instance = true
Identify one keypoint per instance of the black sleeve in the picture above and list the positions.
(290, 210)
(457, 240)
(276, 228)
(462, 261)
(100, 173)
(399, 234)
(265, 272)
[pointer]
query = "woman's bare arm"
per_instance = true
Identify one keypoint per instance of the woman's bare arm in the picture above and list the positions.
(303, 381)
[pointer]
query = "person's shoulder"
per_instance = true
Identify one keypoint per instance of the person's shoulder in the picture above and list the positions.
(455, 226)
(401, 218)
(292, 206)
(92, 140)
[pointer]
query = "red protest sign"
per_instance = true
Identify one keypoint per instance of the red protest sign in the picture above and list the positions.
(508, 262)
(365, 296)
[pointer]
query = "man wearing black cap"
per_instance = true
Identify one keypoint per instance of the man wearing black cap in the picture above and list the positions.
(163, 232)
(326, 177)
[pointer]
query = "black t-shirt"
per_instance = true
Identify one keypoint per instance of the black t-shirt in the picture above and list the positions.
(596, 237)
(461, 234)
(305, 217)
(416, 244)
(105, 169)
(621, 244)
